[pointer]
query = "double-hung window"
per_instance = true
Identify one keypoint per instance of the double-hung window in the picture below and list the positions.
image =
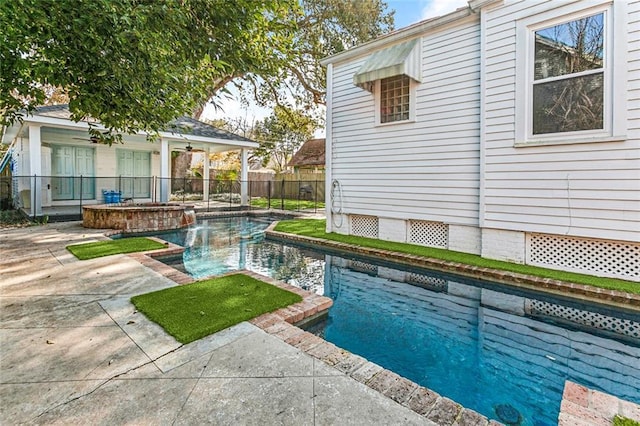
(568, 76)
(568, 64)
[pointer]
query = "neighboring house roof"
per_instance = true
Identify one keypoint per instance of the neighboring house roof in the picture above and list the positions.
(182, 125)
(311, 153)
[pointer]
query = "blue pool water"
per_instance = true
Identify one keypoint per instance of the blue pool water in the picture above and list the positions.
(474, 342)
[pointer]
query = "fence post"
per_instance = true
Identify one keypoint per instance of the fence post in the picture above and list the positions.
(315, 197)
(269, 194)
(33, 202)
(208, 192)
(184, 188)
(282, 195)
(230, 188)
(153, 194)
(81, 194)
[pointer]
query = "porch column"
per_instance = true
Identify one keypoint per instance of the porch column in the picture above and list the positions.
(165, 170)
(244, 177)
(205, 175)
(35, 168)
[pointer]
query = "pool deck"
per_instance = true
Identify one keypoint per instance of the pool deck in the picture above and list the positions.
(73, 350)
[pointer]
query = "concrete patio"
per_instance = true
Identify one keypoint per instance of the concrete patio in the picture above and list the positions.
(73, 351)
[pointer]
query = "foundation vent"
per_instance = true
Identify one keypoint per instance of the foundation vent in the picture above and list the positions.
(364, 226)
(430, 283)
(597, 257)
(620, 326)
(431, 234)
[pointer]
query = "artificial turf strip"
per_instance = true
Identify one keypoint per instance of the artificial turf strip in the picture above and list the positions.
(193, 311)
(107, 248)
(316, 228)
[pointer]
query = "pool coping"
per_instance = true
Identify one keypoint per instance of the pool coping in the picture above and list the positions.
(615, 298)
(583, 406)
(282, 324)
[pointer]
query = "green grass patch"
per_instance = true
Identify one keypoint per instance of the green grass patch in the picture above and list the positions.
(289, 204)
(193, 311)
(624, 421)
(316, 228)
(107, 248)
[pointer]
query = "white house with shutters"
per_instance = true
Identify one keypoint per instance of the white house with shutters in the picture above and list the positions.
(508, 129)
(55, 163)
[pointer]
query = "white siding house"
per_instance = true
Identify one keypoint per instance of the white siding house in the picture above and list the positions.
(55, 163)
(511, 130)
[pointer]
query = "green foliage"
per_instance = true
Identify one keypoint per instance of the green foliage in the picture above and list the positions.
(281, 134)
(191, 312)
(135, 65)
(12, 218)
(324, 28)
(316, 228)
(107, 248)
(624, 421)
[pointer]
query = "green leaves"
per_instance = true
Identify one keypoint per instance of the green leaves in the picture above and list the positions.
(134, 65)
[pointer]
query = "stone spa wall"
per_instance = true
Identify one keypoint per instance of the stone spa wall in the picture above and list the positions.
(138, 217)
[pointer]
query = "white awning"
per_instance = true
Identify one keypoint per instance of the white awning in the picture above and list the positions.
(401, 59)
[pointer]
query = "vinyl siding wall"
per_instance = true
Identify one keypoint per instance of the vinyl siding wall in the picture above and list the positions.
(585, 189)
(427, 169)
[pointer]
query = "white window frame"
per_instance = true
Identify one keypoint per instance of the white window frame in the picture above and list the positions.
(377, 95)
(614, 70)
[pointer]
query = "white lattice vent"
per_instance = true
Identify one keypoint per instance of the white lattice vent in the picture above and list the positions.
(599, 257)
(620, 326)
(431, 234)
(364, 226)
(367, 268)
(431, 283)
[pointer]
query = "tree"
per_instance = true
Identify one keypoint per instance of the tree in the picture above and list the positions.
(281, 134)
(324, 28)
(134, 65)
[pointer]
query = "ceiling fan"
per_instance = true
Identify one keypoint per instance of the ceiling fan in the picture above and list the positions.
(92, 139)
(187, 148)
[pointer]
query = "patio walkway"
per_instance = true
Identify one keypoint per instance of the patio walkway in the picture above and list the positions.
(73, 351)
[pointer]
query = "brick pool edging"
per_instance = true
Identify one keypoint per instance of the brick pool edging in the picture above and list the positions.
(419, 399)
(549, 285)
(281, 324)
(588, 407)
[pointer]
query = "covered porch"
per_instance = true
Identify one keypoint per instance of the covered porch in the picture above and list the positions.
(56, 167)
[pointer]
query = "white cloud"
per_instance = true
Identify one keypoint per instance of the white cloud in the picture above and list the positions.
(441, 7)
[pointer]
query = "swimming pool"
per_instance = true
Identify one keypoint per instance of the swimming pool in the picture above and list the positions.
(471, 341)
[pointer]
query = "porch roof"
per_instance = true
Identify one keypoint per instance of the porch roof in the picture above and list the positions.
(182, 129)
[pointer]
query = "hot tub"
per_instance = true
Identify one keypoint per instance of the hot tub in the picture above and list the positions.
(138, 217)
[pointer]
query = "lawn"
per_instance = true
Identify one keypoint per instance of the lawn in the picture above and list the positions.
(316, 228)
(107, 248)
(289, 204)
(193, 311)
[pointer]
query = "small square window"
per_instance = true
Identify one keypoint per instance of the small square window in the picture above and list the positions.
(395, 99)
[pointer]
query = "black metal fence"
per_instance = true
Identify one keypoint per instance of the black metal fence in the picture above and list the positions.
(70, 193)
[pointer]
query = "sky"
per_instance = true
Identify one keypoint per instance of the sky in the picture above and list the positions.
(407, 12)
